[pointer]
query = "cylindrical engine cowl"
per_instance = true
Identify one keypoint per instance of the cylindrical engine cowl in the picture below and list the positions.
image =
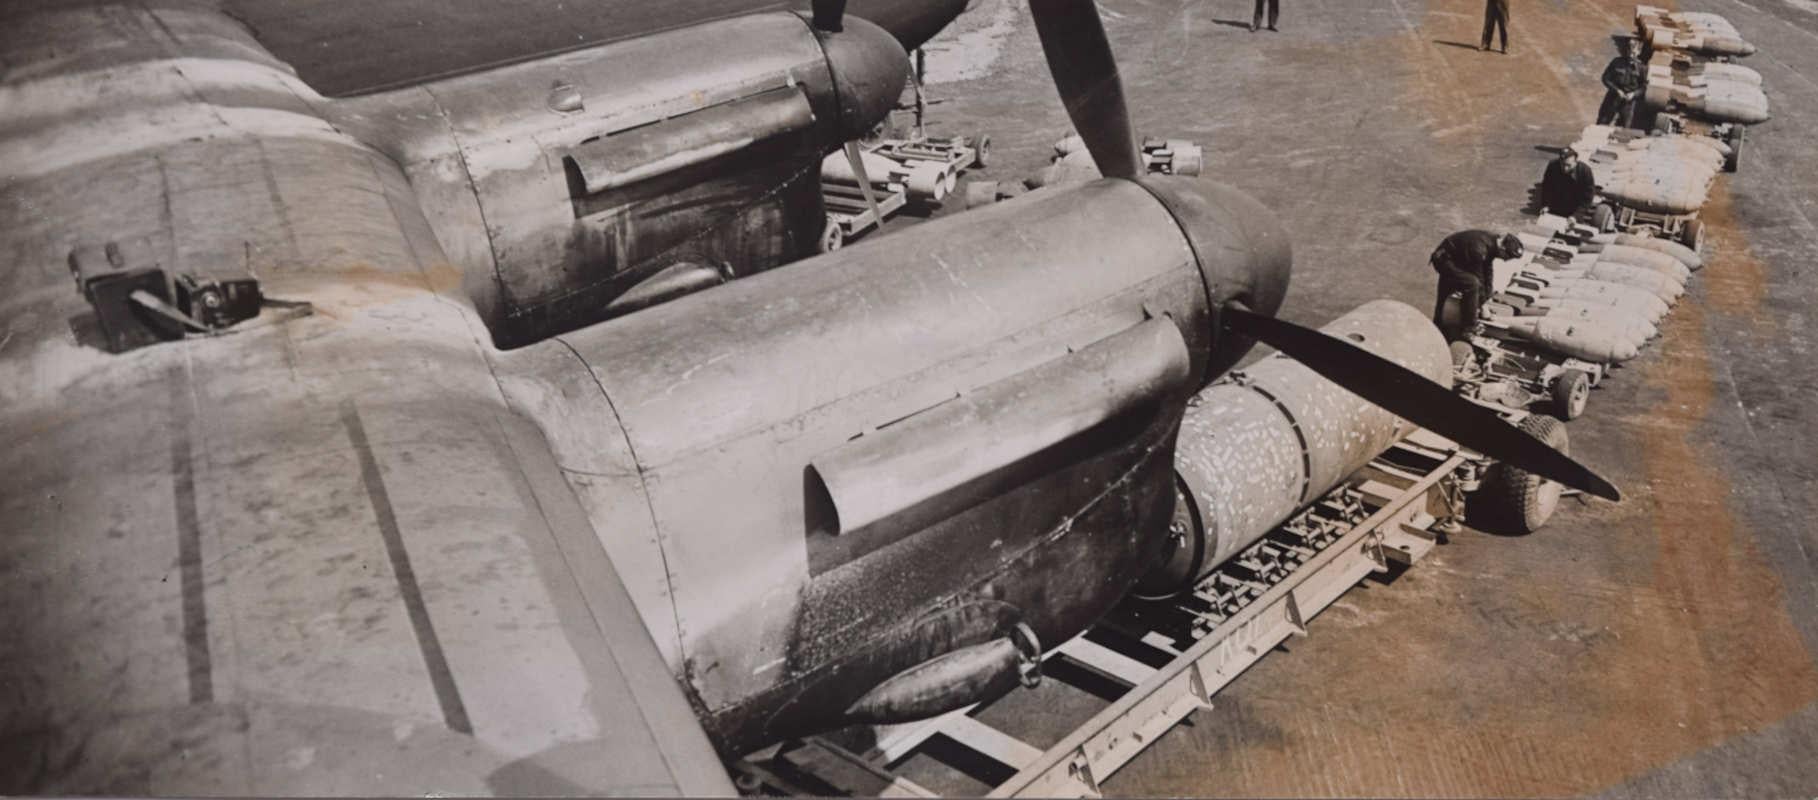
(1261, 443)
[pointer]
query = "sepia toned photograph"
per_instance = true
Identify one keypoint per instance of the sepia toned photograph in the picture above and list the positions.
(908, 398)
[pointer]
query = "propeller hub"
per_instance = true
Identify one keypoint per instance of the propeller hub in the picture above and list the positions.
(1243, 251)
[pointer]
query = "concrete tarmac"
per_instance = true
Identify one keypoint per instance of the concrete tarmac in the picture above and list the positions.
(1660, 647)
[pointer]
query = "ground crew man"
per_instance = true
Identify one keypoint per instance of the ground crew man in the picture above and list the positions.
(1465, 263)
(1623, 79)
(1495, 18)
(1567, 187)
(1274, 12)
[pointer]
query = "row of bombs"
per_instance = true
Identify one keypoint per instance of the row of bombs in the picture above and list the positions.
(1657, 174)
(925, 181)
(1591, 295)
(1072, 164)
(1718, 91)
(1691, 31)
(1599, 296)
(1264, 441)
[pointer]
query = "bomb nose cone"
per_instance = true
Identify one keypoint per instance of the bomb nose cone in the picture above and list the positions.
(912, 22)
(1243, 251)
(869, 70)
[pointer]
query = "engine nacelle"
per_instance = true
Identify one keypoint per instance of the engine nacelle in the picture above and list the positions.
(560, 184)
(981, 409)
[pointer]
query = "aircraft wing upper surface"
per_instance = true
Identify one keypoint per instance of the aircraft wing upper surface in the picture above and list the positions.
(320, 554)
(353, 48)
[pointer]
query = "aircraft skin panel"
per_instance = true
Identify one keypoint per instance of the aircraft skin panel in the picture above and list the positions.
(318, 555)
(691, 404)
(548, 383)
(356, 48)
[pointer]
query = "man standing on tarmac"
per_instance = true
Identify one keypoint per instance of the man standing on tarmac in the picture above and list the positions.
(1568, 186)
(1623, 79)
(1495, 19)
(1274, 13)
(1465, 263)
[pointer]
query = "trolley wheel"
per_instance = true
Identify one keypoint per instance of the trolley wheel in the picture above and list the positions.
(1692, 235)
(832, 237)
(1521, 499)
(1734, 140)
(1189, 159)
(981, 151)
(1570, 392)
(1603, 218)
(980, 193)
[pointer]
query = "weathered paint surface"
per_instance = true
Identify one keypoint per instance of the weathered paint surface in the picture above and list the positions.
(481, 506)
(1260, 444)
(876, 334)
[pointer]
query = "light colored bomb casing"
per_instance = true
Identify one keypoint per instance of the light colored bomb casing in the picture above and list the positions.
(1258, 445)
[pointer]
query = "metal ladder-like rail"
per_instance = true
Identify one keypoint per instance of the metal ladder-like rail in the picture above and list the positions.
(1228, 622)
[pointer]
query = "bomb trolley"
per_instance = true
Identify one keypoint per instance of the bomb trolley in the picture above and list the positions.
(850, 216)
(1168, 658)
(1497, 367)
(1680, 121)
(1608, 215)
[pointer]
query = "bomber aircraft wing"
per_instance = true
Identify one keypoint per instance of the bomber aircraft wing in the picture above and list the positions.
(317, 555)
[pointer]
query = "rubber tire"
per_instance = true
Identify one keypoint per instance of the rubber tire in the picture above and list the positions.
(981, 151)
(833, 237)
(1523, 500)
(1734, 140)
(1571, 390)
(1603, 218)
(1692, 235)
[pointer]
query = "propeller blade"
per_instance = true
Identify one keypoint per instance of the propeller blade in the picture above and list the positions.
(1416, 399)
(857, 160)
(830, 15)
(1085, 72)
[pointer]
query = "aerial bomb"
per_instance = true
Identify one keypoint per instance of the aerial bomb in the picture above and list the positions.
(1624, 318)
(1683, 68)
(1612, 303)
(1586, 339)
(1646, 258)
(1696, 32)
(1656, 174)
(924, 180)
(1727, 72)
(1715, 99)
(1686, 255)
(1658, 190)
(1258, 445)
(1659, 285)
(1641, 300)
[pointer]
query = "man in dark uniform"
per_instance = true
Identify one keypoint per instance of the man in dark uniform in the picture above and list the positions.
(1624, 79)
(1568, 186)
(1495, 19)
(1465, 262)
(1274, 12)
